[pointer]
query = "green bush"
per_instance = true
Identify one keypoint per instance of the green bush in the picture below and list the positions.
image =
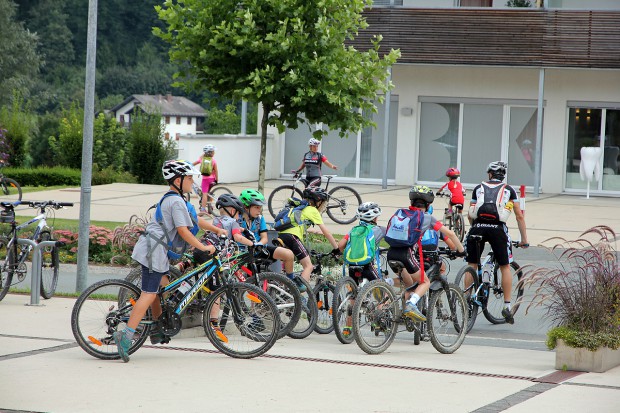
(110, 176)
(583, 338)
(44, 176)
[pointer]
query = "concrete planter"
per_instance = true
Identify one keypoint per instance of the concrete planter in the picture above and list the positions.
(582, 359)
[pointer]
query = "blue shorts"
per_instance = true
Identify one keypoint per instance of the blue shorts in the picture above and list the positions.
(151, 280)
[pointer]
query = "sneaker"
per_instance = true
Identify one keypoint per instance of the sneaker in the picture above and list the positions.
(411, 311)
(507, 314)
(122, 344)
(300, 284)
(346, 332)
(257, 324)
(158, 337)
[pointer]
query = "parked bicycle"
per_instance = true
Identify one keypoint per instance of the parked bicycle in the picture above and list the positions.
(14, 263)
(341, 205)
(246, 325)
(483, 287)
(324, 278)
(10, 191)
(215, 191)
(377, 312)
(453, 217)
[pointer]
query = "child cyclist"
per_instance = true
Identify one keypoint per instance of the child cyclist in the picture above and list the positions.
(457, 193)
(209, 172)
(167, 235)
(253, 220)
(421, 197)
(291, 238)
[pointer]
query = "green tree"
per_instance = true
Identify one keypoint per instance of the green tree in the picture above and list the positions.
(109, 143)
(20, 124)
(49, 21)
(67, 147)
(289, 55)
(148, 152)
(39, 148)
(19, 61)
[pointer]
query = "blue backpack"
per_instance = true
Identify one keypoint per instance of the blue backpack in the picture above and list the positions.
(290, 215)
(405, 228)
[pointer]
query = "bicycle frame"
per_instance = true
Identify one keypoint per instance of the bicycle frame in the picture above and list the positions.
(20, 257)
(208, 270)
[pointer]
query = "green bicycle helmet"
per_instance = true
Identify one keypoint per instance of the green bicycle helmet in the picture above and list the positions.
(251, 197)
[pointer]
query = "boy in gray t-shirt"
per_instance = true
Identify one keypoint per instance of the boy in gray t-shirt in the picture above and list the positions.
(172, 222)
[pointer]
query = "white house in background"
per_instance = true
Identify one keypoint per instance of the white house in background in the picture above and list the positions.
(179, 115)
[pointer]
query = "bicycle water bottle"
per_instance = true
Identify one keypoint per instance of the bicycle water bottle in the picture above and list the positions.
(487, 271)
(180, 292)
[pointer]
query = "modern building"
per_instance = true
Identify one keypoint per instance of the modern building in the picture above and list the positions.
(468, 89)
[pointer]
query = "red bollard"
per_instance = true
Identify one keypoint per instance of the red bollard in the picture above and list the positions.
(522, 198)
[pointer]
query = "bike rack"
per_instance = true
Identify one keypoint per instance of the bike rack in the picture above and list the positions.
(35, 276)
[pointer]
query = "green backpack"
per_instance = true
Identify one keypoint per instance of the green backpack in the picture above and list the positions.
(206, 166)
(361, 248)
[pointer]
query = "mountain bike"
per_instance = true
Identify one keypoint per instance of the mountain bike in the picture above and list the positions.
(453, 217)
(345, 292)
(483, 287)
(245, 325)
(215, 191)
(377, 312)
(323, 279)
(16, 254)
(10, 191)
(342, 201)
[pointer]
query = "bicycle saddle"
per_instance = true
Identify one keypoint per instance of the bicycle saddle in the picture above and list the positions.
(329, 176)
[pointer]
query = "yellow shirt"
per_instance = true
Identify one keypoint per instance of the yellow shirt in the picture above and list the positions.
(309, 213)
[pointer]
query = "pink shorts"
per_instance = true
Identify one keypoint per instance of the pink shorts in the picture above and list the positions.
(207, 183)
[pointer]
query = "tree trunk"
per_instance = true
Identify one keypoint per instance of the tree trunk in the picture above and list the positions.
(263, 149)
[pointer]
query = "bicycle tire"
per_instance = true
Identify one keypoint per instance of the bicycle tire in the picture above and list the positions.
(459, 226)
(49, 267)
(97, 314)
(6, 269)
(495, 300)
(324, 294)
(10, 191)
(420, 325)
(309, 314)
(344, 299)
(278, 197)
(252, 324)
(217, 190)
(447, 318)
(375, 328)
(342, 204)
(468, 292)
(285, 294)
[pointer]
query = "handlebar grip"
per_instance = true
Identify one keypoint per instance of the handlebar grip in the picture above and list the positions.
(64, 204)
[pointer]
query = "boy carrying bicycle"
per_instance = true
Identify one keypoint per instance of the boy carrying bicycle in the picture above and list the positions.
(402, 240)
(291, 238)
(166, 236)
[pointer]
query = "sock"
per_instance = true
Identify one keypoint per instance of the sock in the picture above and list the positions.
(291, 275)
(414, 299)
(507, 305)
(129, 332)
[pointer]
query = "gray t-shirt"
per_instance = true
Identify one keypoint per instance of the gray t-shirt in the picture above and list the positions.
(229, 224)
(175, 214)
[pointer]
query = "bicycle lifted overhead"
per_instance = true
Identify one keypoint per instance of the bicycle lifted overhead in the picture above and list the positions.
(14, 262)
(246, 326)
(483, 287)
(342, 202)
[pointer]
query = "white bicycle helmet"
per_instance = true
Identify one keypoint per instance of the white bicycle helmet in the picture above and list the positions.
(177, 167)
(368, 211)
(209, 148)
(497, 169)
(314, 141)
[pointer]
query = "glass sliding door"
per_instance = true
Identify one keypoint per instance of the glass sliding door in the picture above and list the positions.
(372, 144)
(481, 141)
(611, 151)
(584, 130)
(522, 145)
(439, 137)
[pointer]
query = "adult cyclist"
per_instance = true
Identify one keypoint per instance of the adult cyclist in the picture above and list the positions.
(490, 206)
(312, 161)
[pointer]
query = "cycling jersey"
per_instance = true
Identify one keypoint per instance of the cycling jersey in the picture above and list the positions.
(456, 191)
(312, 162)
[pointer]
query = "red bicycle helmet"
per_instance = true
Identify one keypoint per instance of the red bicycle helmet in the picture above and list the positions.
(453, 173)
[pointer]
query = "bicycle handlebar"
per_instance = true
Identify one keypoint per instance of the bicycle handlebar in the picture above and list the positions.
(52, 204)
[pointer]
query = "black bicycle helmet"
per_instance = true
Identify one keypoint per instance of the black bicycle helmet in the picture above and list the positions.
(421, 192)
(228, 200)
(315, 193)
(498, 169)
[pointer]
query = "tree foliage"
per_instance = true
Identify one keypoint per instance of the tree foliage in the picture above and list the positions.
(148, 152)
(20, 124)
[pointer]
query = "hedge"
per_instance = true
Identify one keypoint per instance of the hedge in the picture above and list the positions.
(62, 176)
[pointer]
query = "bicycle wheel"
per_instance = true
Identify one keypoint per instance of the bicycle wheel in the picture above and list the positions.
(6, 268)
(447, 319)
(467, 280)
(285, 294)
(216, 191)
(102, 309)
(279, 196)
(248, 319)
(495, 300)
(49, 267)
(459, 226)
(10, 191)
(324, 294)
(309, 314)
(344, 299)
(342, 204)
(375, 320)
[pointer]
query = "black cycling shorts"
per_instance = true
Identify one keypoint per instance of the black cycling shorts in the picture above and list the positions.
(369, 271)
(294, 244)
(496, 234)
(406, 256)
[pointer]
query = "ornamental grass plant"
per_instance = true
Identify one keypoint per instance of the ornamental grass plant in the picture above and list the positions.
(581, 295)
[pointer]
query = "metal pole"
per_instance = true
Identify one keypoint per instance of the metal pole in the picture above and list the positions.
(386, 130)
(539, 126)
(244, 116)
(87, 148)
